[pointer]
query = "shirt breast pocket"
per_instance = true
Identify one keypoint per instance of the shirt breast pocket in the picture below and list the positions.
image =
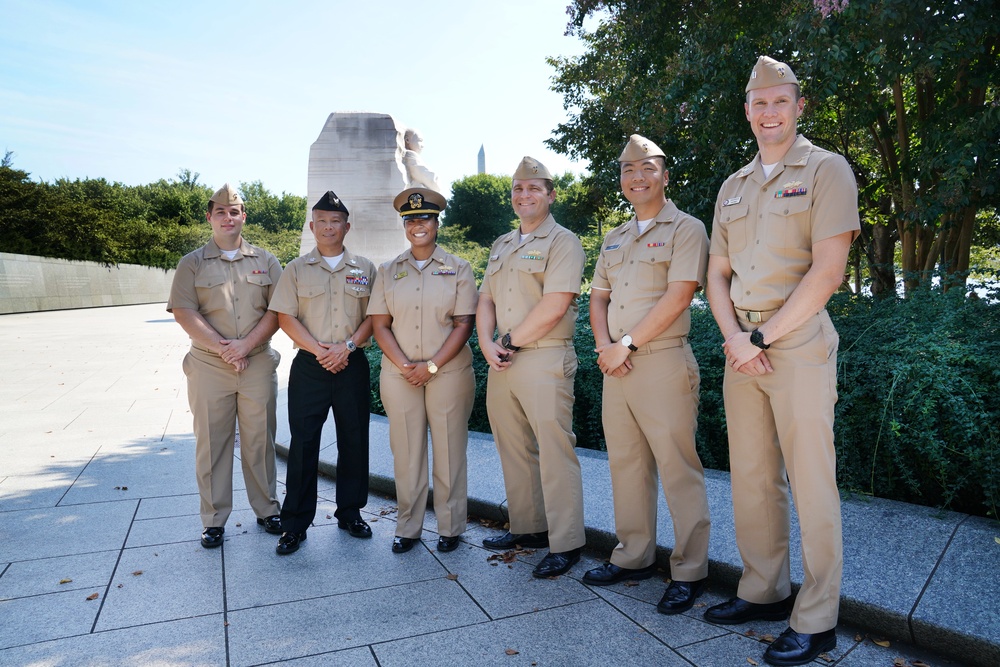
(213, 293)
(356, 302)
(788, 224)
(260, 289)
(734, 220)
(653, 267)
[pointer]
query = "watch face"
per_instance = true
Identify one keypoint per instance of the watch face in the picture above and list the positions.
(626, 340)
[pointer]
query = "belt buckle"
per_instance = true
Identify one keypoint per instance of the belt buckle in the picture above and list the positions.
(754, 317)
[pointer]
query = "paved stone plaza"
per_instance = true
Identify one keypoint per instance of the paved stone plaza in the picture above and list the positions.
(100, 562)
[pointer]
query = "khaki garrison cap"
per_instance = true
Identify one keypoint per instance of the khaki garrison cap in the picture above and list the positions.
(769, 72)
(416, 201)
(227, 195)
(639, 148)
(531, 168)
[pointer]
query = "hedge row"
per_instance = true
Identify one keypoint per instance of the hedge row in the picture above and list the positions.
(918, 411)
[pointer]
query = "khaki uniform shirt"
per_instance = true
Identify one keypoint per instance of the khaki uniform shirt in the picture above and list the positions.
(422, 302)
(519, 273)
(330, 303)
(232, 295)
(638, 267)
(767, 226)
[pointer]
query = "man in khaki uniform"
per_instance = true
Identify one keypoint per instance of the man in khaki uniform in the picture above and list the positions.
(528, 297)
(321, 303)
(646, 276)
(782, 231)
(423, 309)
(219, 297)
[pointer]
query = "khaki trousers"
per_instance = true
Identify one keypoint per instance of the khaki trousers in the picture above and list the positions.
(782, 424)
(444, 404)
(530, 406)
(650, 418)
(219, 397)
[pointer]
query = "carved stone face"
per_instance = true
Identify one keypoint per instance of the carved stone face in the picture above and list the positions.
(414, 142)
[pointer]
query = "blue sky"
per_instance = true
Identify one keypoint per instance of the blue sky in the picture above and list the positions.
(238, 91)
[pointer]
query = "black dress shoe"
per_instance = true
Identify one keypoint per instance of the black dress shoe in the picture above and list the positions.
(289, 543)
(212, 537)
(510, 540)
(740, 611)
(609, 573)
(446, 544)
(680, 596)
(356, 527)
(555, 564)
(400, 545)
(272, 524)
(798, 648)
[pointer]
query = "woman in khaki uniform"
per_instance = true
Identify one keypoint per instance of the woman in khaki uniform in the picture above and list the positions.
(423, 308)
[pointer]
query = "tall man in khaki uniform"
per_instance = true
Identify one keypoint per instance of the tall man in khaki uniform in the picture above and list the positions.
(321, 302)
(528, 297)
(646, 276)
(219, 297)
(782, 231)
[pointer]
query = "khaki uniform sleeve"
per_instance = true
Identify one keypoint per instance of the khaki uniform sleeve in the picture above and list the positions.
(377, 305)
(690, 254)
(835, 201)
(285, 298)
(182, 291)
(564, 269)
(720, 242)
(600, 280)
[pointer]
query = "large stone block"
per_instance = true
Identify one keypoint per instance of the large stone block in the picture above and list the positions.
(359, 156)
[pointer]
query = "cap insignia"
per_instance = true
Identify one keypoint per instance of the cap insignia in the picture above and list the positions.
(534, 170)
(415, 200)
(781, 72)
(645, 148)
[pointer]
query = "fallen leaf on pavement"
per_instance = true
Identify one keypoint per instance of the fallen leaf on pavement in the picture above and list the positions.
(452, 577)
(511, 651)
(751, 661)
(137, 573)
(919, 663)
(898, 662)
(884, 643)
(997, 540)
(328, 516)
(65, 581)
(93, 596)
(826, 657)
(858, 637)
(767, 638)
(630, 583)
(750, 633)
(239, 525)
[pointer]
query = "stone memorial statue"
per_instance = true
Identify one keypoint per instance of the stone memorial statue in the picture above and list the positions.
(367, 159)
(417, 173)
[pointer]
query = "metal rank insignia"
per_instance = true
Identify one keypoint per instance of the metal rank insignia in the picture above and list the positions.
(444, 270)
(401, 274)
(533, 254)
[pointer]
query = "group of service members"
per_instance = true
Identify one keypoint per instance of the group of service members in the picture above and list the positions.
(782, 230)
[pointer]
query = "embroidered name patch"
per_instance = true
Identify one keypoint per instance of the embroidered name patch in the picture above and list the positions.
(401, 274)
(445, 270)
(532, 254)
(656, 245)
(494, 258)
(732, 201)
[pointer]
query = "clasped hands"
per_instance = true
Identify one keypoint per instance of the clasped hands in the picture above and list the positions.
(745, 357)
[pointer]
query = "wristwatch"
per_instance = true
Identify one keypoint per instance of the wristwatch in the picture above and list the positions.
(627, 342)
(432, 368)
(350, 345)
(757, 338)
(505, 342)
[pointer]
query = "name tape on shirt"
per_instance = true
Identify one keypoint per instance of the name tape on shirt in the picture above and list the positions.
(401, 274)
(732, 201)
(614, 247)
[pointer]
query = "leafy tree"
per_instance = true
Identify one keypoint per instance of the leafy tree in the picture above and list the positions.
(906, 90)
(480, 205)
(273, 213)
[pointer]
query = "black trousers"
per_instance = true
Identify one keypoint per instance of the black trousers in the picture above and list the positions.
(312, 392)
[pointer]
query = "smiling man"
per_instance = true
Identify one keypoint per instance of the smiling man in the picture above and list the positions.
(321, 303)
(646, 275)
(219, 297)
(782, 231)
(528, 297)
